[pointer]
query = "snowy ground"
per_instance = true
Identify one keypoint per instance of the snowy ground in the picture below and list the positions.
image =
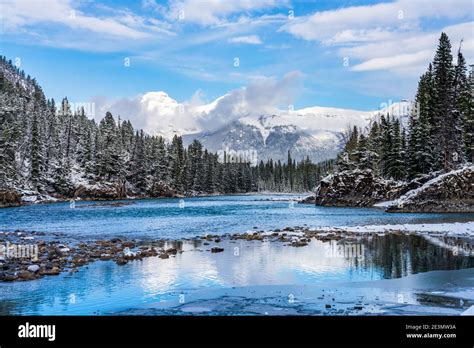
(449, 229)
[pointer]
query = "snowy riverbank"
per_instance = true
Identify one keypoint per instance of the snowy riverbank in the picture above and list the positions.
(449, 229)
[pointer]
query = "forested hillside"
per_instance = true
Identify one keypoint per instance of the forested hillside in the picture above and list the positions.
(49, 150)
(388, 159)
(440, 133)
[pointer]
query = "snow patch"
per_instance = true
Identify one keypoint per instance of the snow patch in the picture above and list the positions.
(450, 229)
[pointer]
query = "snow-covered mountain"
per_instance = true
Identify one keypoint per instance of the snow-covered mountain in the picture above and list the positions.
(236, 122)
(316, 132)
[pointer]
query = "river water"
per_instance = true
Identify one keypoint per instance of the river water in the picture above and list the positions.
(105, 288)
(189, 217)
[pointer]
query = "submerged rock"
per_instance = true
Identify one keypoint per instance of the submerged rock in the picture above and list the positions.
(26, 275)
(308, 200)
(172, 251)
(299, 243)
(121, 261)
(8, 276)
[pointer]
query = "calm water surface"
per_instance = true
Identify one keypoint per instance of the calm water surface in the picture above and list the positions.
(165, 218)
(103, 287)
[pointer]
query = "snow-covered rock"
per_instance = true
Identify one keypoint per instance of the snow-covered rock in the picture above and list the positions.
(100, 191)
(449, 192)
(33, 268)
(357, 188)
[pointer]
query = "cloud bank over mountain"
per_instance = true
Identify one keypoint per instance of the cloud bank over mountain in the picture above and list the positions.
(158, 113)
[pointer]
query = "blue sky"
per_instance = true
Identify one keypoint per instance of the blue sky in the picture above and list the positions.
(348, 54)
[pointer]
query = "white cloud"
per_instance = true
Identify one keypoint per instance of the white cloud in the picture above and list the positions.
(401, 15)
(263, 96)
(397, 61)
(388, 36)
(158, 113)
(216, 12)
(249, 39)
(22, 13)
(409, 50)
(79, 25)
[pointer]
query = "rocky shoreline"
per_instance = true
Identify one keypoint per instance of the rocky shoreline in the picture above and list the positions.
(55, 254)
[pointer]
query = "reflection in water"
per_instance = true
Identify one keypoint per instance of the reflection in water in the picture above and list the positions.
(103, 287)
(401, 255)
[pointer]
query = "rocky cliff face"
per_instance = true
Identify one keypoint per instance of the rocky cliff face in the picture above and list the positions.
(361, 188)
(450, 192)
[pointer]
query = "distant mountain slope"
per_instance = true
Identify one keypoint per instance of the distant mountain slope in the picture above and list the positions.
(316, 132)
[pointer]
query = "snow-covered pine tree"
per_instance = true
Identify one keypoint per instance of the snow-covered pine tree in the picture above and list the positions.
(386, 145)
(138, 174)
(345, 160)
(396, 169)
(468, 122)
(177, 163)
(445, 125)
(420, 146)
(107, 155)
(463, 108)
(36, 153)
(195, 165)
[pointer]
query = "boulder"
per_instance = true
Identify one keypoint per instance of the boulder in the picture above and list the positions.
(33, 268)
(106, 191)
(26, 275)
(161, 189)
(171, 251)
(308, 200)
(9, 198)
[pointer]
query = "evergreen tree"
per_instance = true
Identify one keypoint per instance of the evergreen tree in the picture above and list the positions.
(36, 157)
(463, 109)
(396, 169)
(138, 172)
(177, 163)
(445, 123)
(107, 155)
